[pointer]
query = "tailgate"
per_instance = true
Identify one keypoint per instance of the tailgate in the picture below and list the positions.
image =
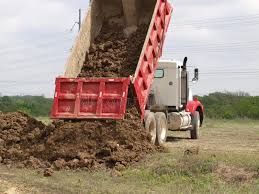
(152, 51)
(90, 98)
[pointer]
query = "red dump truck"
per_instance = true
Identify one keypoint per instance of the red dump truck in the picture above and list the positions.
(107, 97)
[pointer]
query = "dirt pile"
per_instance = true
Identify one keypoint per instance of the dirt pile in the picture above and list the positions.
(26, 142)
(112, 54)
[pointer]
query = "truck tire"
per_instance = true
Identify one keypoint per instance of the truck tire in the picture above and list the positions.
(150, 126)
(161, 128)
(195, 125)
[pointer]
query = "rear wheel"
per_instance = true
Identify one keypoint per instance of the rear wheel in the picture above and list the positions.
(161, 128)
(195, 125)
(150, 126)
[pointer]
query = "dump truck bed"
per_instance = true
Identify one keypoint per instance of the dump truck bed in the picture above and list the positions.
(106, 98)
(91, 98)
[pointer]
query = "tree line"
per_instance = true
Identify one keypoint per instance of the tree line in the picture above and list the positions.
(219, 105)
(229, 105)
(37, 106)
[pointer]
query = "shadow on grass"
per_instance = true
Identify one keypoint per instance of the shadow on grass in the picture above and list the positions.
(176, 139)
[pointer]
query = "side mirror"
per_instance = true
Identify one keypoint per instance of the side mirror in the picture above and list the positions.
(196, 75)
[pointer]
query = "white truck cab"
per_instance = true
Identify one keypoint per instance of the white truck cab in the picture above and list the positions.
(167, 84)
(171, 102)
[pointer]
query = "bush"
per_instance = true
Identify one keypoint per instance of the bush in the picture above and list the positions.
(230, 105)
(33, 105)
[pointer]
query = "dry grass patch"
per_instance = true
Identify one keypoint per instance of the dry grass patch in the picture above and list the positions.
(234, 174)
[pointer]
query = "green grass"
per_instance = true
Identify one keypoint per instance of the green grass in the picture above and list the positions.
(229, 122)
(170, 172)
(45, 120)
(159, 173)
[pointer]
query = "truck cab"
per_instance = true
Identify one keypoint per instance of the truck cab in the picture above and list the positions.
(170, 86)
(171, 101)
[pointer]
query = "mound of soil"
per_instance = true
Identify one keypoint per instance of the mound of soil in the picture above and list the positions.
(26, 142)
(112, 54)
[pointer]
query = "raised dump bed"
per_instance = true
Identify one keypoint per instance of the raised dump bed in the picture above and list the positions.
(94, 86)
(91, 98)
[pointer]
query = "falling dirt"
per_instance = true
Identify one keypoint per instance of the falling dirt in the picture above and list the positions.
(112, 54)
(26, 142)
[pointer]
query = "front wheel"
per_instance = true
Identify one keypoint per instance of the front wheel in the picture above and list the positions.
(194, 132)
(161, 128)
(150, 126)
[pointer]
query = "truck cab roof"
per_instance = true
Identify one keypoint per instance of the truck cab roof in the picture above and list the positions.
(167, 63)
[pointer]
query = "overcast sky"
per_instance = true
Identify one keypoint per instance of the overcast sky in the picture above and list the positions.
(219, 36)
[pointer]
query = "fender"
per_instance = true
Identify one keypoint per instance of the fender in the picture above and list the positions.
(192, 106)
(195, 105)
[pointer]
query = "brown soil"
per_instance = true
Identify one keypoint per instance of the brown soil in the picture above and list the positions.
(112, 54)
(26, 142)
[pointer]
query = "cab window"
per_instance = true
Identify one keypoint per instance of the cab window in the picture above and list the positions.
(159, 73)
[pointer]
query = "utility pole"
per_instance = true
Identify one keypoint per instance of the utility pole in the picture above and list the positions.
(80, 19)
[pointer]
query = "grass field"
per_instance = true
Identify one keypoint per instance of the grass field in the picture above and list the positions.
(45, 120)
(224, 160)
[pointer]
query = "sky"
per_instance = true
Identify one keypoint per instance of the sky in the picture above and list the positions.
(220, 37)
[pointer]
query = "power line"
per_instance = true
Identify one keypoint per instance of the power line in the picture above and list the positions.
(225, 27)
(244, 18)
(211, 47)
(248, 66)
(226, 51)
(184, 23)
(223, 44)
(235, 69)
(79, 22)
(46, 41)
(230, 73)
(32, 66)
(45, 45)
(228, 77)
(235, 17)
(215, 45)
(25, 82)
(36, 58)
(222, 25)
(245, 50)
